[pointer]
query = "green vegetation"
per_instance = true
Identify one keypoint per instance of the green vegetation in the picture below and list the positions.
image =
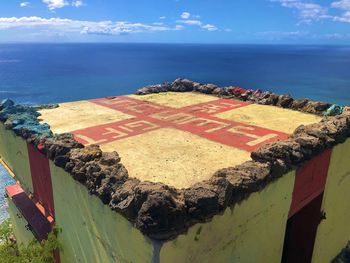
(35, 252)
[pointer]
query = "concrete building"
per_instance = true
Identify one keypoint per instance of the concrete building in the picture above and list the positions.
(196, 177)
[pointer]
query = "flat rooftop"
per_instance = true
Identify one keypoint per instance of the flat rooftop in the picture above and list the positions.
(177, 138)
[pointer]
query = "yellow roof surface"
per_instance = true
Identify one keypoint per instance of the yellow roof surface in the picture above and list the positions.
(175, 138)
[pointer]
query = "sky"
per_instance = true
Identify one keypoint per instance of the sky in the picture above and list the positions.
(176, 21)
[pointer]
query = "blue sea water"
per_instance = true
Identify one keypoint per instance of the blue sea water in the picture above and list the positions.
(51, 73)
(45, 73)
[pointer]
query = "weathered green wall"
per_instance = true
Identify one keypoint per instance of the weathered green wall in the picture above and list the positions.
(91, 231)
(94, 233)
(334, 232)
(252, 231)
(13, 151)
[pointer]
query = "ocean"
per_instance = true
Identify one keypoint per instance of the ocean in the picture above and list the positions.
(52, 73)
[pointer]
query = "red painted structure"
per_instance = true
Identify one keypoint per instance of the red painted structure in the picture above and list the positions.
(305, 212)
(42, 187)
(39, 210)
(37, 222)
(41, 180)
(310, 181)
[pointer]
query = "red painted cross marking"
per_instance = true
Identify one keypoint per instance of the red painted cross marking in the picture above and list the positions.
(198, 119)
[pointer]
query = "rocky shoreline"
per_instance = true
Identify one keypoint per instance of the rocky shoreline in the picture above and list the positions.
(160, 211)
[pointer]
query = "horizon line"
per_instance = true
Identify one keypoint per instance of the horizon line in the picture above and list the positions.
(173, 43)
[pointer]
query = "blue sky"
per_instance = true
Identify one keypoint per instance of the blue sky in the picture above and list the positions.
(176, 21)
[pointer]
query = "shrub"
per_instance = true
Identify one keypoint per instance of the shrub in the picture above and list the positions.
(34, 252)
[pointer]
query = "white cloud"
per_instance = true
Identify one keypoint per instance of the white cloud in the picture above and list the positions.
(24, 4)
(283, 34)
(185, 15)
(190, 22)
(335, 36)
(54, 4)
(343, 18)
(294, 35)
(210, 27)
(179, 27)
(199, 23)
(62, 26)
(81, 26)
(342, 4)
(307, 11)
(117, 28)
(77, 3)
(331, 36)
(162, 17)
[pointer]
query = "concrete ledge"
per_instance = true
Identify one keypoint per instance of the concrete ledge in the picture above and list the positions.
(258, 96)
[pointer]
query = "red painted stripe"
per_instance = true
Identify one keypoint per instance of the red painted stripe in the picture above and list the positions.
(56, 256)
(41, 180)
(310, 181)
(305, 210)
(39, 224)
(42, 187)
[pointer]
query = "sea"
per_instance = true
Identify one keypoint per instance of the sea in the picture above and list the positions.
(53, 73)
